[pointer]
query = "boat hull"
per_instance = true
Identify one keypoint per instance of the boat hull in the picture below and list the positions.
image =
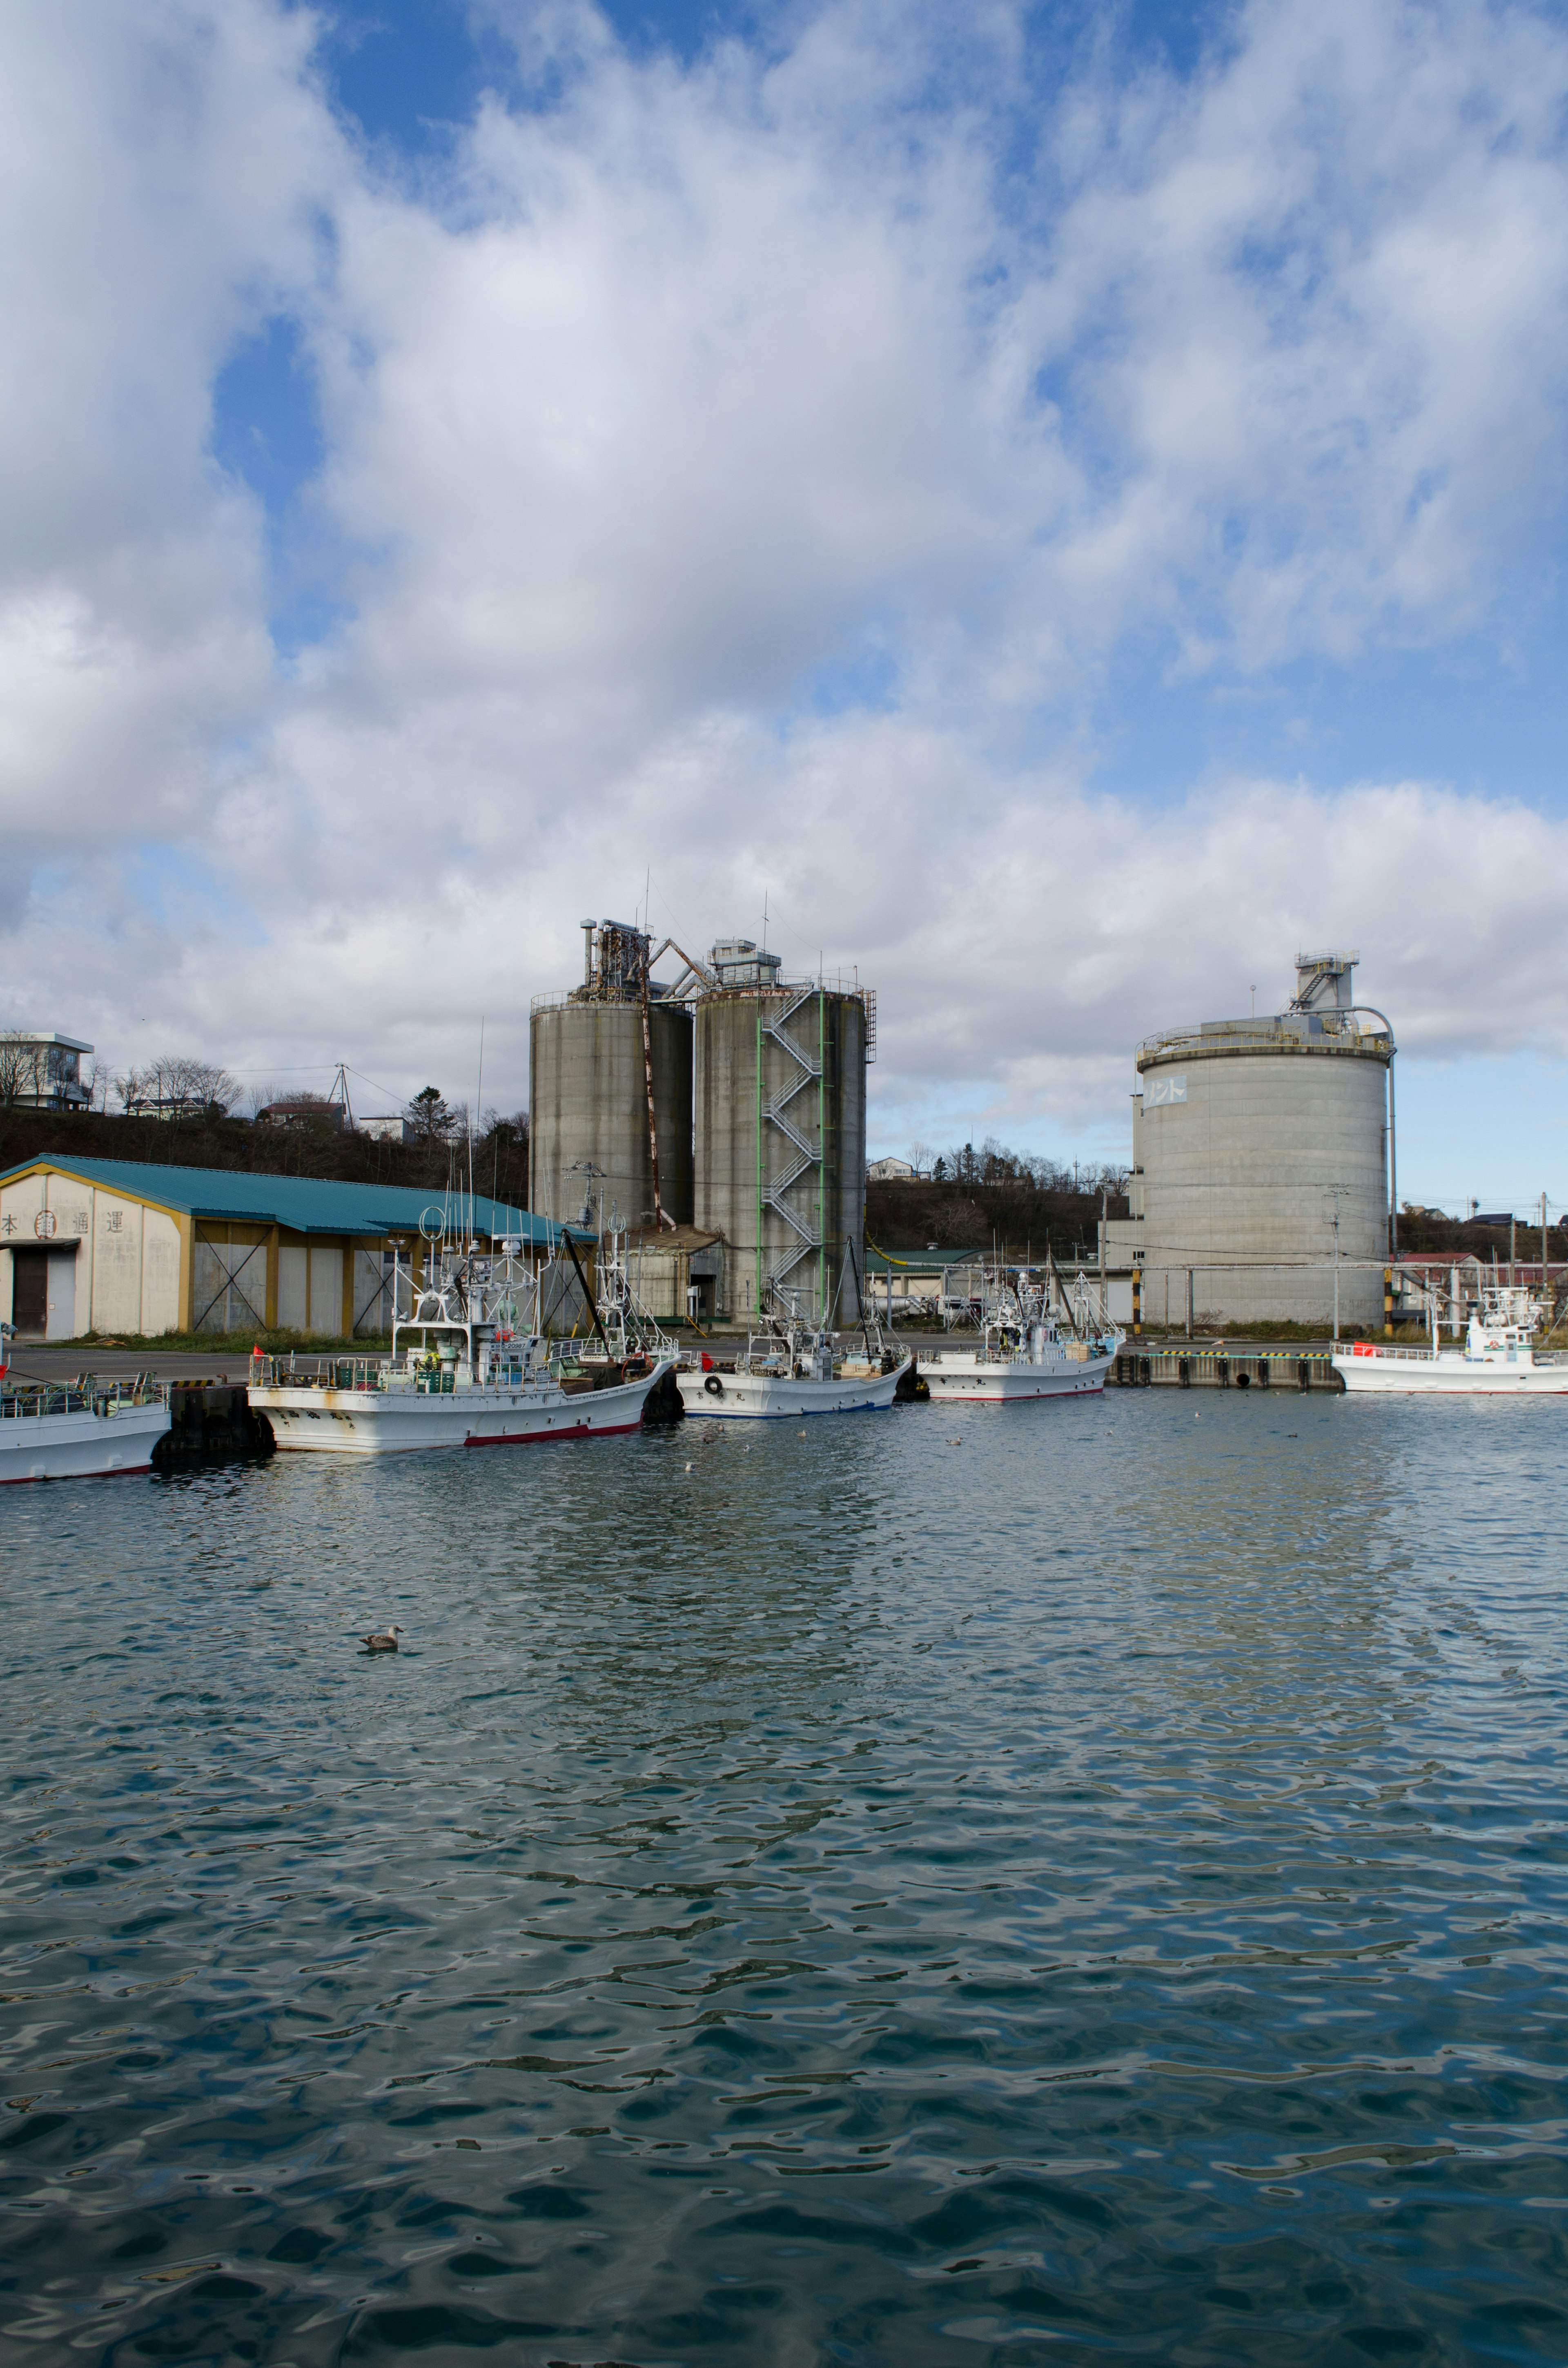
(80, 1445)
(774, 1397)
(982, 1381)
(1384, 1376)
(401, 1422)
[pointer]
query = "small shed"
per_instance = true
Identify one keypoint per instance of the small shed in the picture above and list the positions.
(678, 1273)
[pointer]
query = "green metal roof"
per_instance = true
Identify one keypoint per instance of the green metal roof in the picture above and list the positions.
(919, 1262)
(305, 1204)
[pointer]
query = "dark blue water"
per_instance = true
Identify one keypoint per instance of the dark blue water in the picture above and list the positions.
(1047, 1884)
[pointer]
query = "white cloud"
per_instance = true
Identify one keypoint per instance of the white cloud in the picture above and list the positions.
(733, 465)
(160, 166)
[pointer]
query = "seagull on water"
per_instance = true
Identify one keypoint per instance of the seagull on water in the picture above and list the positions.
(386, 1642)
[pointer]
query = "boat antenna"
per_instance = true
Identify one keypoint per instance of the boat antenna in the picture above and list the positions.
(588, 1295)
(859, 1291)
(478, 1100)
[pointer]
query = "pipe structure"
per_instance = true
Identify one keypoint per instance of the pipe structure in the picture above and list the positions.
(1393, 1149)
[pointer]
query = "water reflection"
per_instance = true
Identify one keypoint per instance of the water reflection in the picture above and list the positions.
(942, 1886)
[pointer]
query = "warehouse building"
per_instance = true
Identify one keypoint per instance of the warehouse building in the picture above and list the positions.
(126, 1246)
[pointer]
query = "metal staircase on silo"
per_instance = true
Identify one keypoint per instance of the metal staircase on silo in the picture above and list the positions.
(801, 1154)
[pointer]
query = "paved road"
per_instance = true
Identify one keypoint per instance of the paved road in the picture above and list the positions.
(62, 1364)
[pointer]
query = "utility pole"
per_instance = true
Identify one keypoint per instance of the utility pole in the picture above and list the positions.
(1334, 1191)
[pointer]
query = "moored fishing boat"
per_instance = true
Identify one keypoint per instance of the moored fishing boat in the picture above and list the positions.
(1497, 1359)
(83, 1430)
(461, 1373)
(1020, 1351)
(784, 1373)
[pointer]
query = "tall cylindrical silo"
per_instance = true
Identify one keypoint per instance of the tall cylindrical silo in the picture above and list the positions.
(590, 1064)
(780, 1126)
(1264, 1149)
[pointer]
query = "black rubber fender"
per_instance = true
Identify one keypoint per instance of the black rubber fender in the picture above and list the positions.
(713, 1385)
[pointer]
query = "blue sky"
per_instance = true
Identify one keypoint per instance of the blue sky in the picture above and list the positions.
(1065, 504)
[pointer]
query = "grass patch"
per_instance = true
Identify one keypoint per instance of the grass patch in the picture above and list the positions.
(226, 1344)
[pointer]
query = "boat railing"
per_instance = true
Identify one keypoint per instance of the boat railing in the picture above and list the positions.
(296, 1373)
(85, 1395)
(443, 1379)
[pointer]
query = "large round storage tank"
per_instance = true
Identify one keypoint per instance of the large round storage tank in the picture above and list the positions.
(1253, 1136)
(588, 1120)
(781, 1111)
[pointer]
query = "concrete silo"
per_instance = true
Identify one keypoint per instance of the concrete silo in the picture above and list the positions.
(1261, 1160)
(781, 1109)
(609, 1090)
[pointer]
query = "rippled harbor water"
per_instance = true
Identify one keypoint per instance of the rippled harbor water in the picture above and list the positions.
(1060, 1883)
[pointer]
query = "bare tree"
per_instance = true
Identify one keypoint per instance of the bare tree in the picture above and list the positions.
(176, 1084)
(18, 1068)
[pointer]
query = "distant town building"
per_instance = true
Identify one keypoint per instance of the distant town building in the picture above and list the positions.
(41, 1069)
(385, 1126)
(890, 1171)
(304, 1109)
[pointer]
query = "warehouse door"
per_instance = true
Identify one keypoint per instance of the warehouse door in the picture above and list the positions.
(376, 1274)
(229, 1285)
(61, 1324)
(326, 1291)
(29, 1291)
(62, 1296)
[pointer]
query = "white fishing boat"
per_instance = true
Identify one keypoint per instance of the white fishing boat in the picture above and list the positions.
(784, 1373)
(463, 1373)
(83, 1430)
(1020, 1350)
(1497, 1359)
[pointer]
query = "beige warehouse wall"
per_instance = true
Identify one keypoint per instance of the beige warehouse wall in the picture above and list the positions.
(19, 1205)
(117, 1249)
(293, 1287)
(159, 1271)
(310, 1288)
(326, 1290)
(127, 1264)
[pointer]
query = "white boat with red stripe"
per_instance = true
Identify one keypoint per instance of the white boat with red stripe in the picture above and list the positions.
(461, 1373)
(1498, 1358)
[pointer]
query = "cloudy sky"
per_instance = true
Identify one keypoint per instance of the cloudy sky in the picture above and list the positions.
(1064, 504)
